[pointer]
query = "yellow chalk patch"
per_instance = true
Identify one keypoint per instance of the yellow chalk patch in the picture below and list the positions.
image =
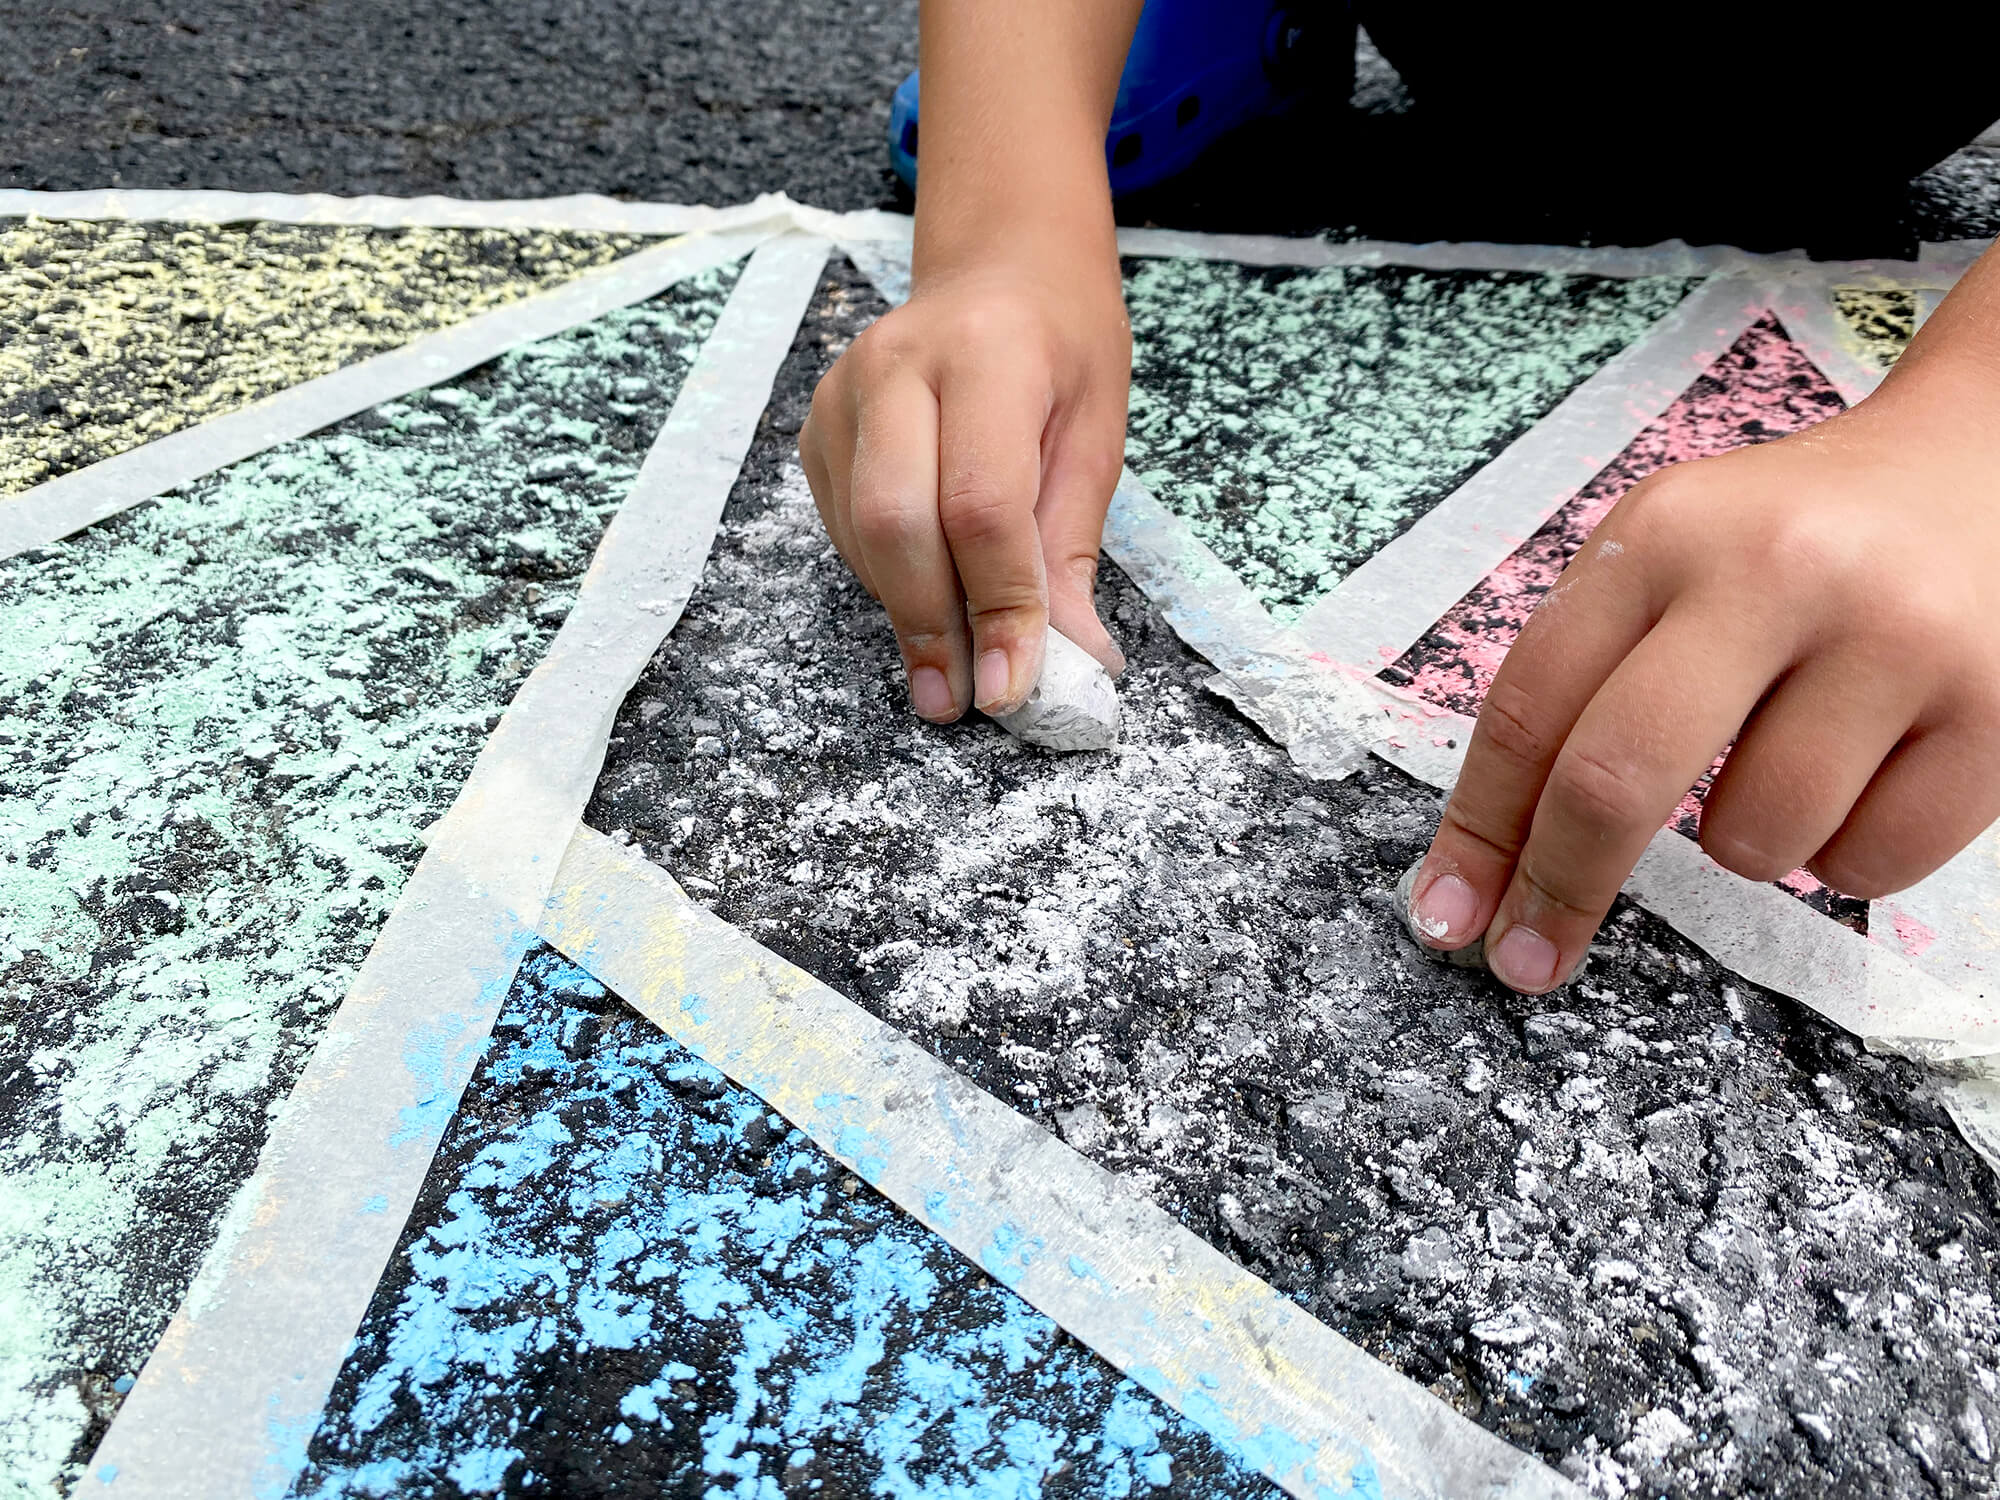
(1878, 322)
(114, 334)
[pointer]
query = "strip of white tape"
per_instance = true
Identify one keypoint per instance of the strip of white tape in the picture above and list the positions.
(1275, 1387)
(230, 1397)
(51, 511)
(586, 212)
(1805, 306)
(1384, 606)
(1937, 265)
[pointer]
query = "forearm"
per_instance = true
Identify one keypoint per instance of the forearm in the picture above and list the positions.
(1017, 95)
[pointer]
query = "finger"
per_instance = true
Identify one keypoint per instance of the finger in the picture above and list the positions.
(989, 458)
(826, 453)
(1934, 795)
(1598, 611)
(1655, 725)
(1802, 762)
(894, 517)
(1080, 474)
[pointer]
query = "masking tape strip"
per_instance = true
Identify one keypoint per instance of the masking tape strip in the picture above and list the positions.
(51, 511)
(230, 1397)
(1949, 922)
(1938, 265)
(886, 260)
(587, 212)
(1274, 1386)
(1804, 305)
(1325, 718)
(1384, 606)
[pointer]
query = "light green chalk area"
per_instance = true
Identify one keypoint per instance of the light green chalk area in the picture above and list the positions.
(114, 334)
(224, 720)
(1300, 420)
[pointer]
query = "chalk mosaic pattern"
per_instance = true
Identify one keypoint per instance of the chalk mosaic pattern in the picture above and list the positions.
(627, 1277)
(1763, 388)
(225, 717)
(1299, 420)
(115, 334)
(1633, 1229)
(1879, 323)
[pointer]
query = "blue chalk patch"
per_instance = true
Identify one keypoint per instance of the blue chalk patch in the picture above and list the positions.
(601, 1213)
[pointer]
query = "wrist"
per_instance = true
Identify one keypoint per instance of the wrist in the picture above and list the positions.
(1046, 201)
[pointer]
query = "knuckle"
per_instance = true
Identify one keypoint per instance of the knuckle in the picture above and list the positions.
(976, 513)
(1795, 549)
(1602, 796)
(1920, 623)
(922, 638)
(879, 349)
(1665, 501)
(1547, 893)
(975, 323)
(1464, 824)
(1507, 723)
(882, 525)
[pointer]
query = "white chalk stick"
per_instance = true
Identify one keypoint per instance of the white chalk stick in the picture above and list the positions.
(1073, 707)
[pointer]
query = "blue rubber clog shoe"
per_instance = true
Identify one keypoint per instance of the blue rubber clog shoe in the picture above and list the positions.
(1197, 70)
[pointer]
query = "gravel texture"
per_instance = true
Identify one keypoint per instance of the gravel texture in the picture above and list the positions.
(1674, 1233)
(703, 101)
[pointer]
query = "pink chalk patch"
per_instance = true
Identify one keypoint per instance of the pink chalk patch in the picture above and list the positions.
(1763, 388)
(1914, 936)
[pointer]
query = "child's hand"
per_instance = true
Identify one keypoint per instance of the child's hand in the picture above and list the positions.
(963, 453)
(1830, 601)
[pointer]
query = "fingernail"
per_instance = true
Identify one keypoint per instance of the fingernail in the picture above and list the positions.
(1446, 910)
(1523, 959)
(930, 694)
(990, 679)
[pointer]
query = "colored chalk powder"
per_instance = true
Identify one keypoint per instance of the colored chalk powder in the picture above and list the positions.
(624, 1267)
(1300, 420)
(115, 334)
(226, 718)
(1879, 322)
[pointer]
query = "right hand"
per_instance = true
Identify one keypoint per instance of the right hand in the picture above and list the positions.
(963, 452)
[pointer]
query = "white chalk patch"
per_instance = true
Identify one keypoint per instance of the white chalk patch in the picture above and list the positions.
(1073, 707)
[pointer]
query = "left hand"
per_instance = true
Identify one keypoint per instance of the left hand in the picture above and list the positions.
(1830, 601)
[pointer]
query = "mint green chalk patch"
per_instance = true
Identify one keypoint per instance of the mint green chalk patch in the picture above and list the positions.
(227, 717)
(1300, 420)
